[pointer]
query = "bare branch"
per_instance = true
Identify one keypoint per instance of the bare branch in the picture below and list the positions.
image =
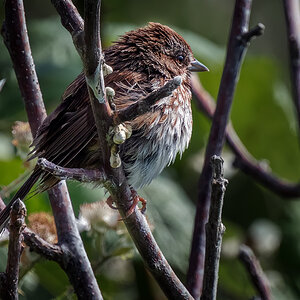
(292, 17)
(9, 280)
(255, 272)
(214, 231)
(144, 105)
(235, 52)
(79, 174)
(40, 246)
(253, 33)
(243, 159)
(15, 36)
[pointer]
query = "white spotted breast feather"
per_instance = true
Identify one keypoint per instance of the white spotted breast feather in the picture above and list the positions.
(158, 136)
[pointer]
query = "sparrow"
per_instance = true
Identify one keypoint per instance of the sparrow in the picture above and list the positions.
(142, 60)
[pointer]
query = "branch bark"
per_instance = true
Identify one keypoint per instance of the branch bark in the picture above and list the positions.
(214, 231)
(9, 279)
(255, 272)
(79, 174)
(143, 105)
(75, 261)
(237, 46)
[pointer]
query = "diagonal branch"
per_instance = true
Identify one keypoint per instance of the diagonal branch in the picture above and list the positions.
(236, 50)
(255, 272)
(243, 159)
(79, 174)
(143, 105)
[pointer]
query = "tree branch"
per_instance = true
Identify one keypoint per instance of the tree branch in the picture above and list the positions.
(75, 262)
(243, 159)
(15, 37)
(292, 17)
(143, 105)
(79, 174)
(235, 52)
(40, 246)
(255, 272)
(214, 231)
(9, 279)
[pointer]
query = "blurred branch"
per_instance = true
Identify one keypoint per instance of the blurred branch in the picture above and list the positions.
(75, 261)
(292, 17)
(255, 272)
(9, 279)
(118, 187)
(243, 159)
(235, 52)
(2, 82)
(214, 231)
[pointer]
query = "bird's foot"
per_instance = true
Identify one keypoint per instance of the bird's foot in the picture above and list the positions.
(135, 200)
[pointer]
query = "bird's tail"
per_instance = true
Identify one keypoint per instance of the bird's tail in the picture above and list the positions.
(20, 194)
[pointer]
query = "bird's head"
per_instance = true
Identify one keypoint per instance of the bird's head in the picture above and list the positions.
(155, 49)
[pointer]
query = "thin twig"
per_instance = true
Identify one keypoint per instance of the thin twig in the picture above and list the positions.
(243, 159)
(292, 17)
(42, 247)
(143, 105)
(255, 272)
(253, 33)
(235, 52)
(9, 280)
(75, 261)
(79, 174)
(214, 231)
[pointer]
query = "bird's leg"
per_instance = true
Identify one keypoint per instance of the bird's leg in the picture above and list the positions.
(135, 200)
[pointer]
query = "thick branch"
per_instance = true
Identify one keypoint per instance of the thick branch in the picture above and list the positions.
(235, 52)
(255, 272)
(76, 264)
(79, 174)
(9, 280)
(292, 16)
(144, 105)
(15, 36)
(214, 231)
(243, 159)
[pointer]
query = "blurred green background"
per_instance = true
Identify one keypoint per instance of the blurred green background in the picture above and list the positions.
(262, 114)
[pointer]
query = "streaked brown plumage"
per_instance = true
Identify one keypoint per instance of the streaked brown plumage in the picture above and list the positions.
(143, 60)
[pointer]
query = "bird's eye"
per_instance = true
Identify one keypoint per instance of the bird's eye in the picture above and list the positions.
(180, 58)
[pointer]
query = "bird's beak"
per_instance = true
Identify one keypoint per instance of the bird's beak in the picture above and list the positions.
(196, 66)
